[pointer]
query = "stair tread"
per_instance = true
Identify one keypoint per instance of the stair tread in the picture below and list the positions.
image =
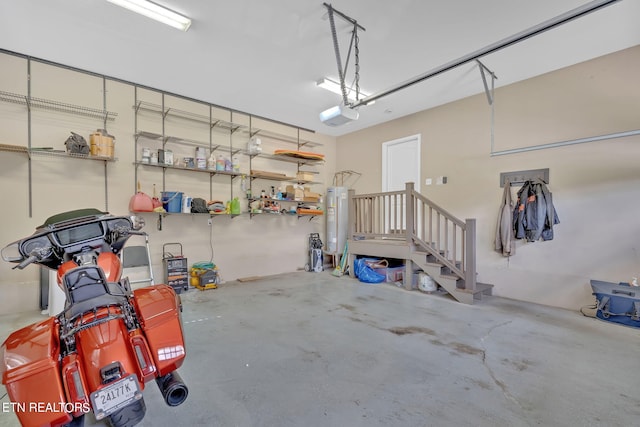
(485, 285)
(457, 263)
(419, 252)
(433, 264)
(480, 287)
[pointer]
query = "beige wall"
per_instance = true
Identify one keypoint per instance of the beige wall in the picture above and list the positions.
(596, 186)
(241, 246)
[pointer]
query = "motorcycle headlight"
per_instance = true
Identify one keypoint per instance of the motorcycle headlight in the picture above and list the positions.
(137, 221)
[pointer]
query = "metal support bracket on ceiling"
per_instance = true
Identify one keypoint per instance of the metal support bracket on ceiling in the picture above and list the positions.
(488, 92)
(354, 44)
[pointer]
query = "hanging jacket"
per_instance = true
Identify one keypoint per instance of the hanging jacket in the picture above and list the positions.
(519, 218)
(534, 215)
(505, 242)
(552, 216)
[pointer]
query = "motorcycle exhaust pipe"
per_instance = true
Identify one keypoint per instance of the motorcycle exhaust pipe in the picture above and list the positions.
(172, 388)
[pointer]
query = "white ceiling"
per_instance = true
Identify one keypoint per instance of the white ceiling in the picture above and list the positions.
(263, 57)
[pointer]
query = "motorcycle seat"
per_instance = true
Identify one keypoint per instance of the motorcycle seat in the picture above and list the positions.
(86, 288)
(80, 308)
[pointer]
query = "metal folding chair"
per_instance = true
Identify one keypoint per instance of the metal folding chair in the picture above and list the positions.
(135, 257)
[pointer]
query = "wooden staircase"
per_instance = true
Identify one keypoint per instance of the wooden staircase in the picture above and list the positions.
(451, 283)
(406, 225)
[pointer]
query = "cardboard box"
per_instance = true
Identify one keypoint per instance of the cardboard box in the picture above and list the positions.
(295, 192)
(304, 176)
(310, 196)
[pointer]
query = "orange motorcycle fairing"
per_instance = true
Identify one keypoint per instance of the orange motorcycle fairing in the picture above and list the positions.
(31, 375)
(63, 269)
(107, 261)
(102, 344)
(111, 265)
(158, 310)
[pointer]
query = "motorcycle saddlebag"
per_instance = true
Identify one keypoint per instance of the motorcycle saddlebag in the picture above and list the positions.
(617, 302)
(158, 310)
(31, 375)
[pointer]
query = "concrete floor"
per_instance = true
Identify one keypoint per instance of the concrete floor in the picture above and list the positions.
(310, 349)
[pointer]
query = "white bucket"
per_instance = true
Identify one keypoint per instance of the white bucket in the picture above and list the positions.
(426, 283)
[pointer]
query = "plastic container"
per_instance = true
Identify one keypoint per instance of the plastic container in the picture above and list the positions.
(146, 155)
(254, 146)
(168, 157)
(140, 202)
(172, 201)
(220, 163)
(235, 206)
(201, 158)
(186, 204)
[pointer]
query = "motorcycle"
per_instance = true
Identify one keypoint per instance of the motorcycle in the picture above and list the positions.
(108, 341)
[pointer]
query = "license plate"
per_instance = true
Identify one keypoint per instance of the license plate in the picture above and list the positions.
(115, 396)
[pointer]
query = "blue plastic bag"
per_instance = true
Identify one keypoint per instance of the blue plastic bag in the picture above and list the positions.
(365, 274)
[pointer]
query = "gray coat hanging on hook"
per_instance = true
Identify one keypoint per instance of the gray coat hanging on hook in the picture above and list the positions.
(505, 240)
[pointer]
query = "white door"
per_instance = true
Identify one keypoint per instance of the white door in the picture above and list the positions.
(400, 164)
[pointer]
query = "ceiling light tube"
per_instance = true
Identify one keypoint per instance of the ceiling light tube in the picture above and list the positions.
(333, 86)
(154, 11)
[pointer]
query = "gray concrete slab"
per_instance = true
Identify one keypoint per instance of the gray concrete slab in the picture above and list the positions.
(310, 349)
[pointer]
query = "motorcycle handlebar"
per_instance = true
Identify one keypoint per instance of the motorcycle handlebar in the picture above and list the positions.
(26, 262)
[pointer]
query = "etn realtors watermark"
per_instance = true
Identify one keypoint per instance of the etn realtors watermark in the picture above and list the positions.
(41, 407)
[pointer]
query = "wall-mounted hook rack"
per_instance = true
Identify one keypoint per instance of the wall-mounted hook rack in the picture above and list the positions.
(520, 177)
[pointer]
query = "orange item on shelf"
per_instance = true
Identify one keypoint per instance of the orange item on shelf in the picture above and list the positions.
(299, 154)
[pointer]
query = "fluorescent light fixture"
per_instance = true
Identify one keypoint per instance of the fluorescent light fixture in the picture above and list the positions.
(333, 86)
(154, 11)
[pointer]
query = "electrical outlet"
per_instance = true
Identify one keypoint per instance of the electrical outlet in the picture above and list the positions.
(209, 221)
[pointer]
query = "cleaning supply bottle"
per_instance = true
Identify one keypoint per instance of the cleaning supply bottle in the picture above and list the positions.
(235, 206)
